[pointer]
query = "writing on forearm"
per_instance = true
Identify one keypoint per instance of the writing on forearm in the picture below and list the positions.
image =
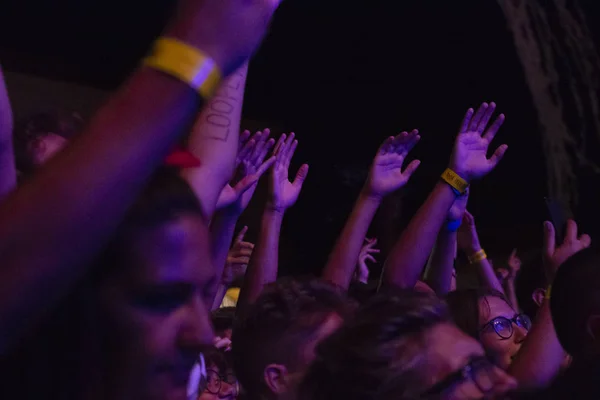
(218, 118)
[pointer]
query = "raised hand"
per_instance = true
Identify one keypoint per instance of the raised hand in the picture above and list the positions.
(251, 165)
(283, 193)
(386, 175)
(554, 256)
(361, 274)
(469, 157)
(459, 207)
(238, 257)
(467, 238)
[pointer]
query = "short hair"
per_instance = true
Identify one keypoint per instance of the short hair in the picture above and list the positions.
(65, 124)
(377, 354)
(464, 306)
(223, 318)
(574, 298)
(277, 325)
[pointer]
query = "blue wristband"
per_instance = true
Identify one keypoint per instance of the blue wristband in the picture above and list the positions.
(452, 226)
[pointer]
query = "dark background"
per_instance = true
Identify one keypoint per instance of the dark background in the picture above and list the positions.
(343, 76)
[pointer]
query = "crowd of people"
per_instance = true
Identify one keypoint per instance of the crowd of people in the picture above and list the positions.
(123, 276)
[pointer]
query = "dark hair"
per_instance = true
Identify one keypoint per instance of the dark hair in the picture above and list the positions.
(377, 354)
(48, 361)
(223, 318)
(219, 358)
(464, 306)
(574, 298)
(277, 325)
(32, 127)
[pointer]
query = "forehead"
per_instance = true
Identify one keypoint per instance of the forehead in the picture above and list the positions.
(491, 307)
(176, 250)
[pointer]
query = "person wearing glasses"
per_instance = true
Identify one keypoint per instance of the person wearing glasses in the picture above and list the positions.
(402, 345)
(486, 315)
(220, 381)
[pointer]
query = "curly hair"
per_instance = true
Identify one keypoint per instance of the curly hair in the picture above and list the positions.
(277, 326)
(378, 353)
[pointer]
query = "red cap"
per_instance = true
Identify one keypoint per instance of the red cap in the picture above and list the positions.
(180, 158)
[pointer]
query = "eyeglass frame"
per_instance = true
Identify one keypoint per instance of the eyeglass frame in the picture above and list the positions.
(514, 320)
(467, 372)
(235, 384)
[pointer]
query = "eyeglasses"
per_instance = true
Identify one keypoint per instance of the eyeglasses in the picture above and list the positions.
(214, 381)
(504, 326)
(479, 370)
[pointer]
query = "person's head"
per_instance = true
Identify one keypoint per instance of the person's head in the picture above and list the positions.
(531, 283)
(222, 321)
(485, 315)
(38, 137)
(575, 304)
(136, 324)
(402, 345)
(275, 340)
(220, 381)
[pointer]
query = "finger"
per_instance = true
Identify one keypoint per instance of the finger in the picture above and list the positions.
(246, 151)
(243, 253)
(244, 136)
(264, 167)
(301, 176)
(477, 117)
(491, 132)
(290, 154)
(485, 119)
(370, 258)
(497, 156)
(386, 145)
(373, 251)
(258, 149)
(240, 236)
(289, 143)
(238, 260)
(279, 145)
(400, 139)
(464, 126)
(585, 241)
(549, 239)
(245, 245)
(415, 137)
(265, 150)
(246, 183)
(411, 168)
(571, 231)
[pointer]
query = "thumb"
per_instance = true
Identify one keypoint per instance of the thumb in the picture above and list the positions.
(411, 168)
(497, 156)
(549, 239)
(301, 175)
(240, 237)
(245, 184)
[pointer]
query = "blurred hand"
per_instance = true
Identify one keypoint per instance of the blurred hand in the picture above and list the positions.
(554, 256)
(386, 175)
(251, 165)
(238, 258)
(467, 238)
(229, 31)
(283, 193)
(459, 207)
(469, 157)
(361, 274)
(513, 267)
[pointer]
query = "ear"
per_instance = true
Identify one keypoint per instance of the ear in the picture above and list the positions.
(593, 327)
(538, 296)
(276, 378)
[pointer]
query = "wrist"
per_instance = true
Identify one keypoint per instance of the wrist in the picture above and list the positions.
(274, 209)
(368, 195)
(455, 180)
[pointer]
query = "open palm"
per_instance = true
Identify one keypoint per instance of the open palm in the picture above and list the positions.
(386, 173)
(284, 193)
(469, 158)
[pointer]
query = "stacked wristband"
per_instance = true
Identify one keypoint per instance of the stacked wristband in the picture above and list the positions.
(477, 257)
(458, 184)
(187, 64)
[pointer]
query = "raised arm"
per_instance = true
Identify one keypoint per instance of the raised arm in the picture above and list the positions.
(469, 161)
(539, 360)
(91, 184)
(440, 268)
(468, 242)
(283, 194)
(8, 171)
(385, 176)
(235, 197)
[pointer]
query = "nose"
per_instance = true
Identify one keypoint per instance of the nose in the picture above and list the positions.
(196, 332)
(520, 333)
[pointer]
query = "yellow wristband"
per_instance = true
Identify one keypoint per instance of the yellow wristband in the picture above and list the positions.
(186, 63)
(458, 184)
(548, 291)
(477, 257)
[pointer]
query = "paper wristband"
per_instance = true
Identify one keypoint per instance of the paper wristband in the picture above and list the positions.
(452, 226)
(478, 257)
(458, 184)
(187, 64)
(548, 292)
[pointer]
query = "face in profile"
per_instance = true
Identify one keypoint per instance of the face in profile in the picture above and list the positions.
(457, 367)
(157, 310)
(502, 330)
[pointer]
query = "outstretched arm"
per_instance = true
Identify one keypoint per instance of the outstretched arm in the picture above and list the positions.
(8, 172)
(385, 176)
